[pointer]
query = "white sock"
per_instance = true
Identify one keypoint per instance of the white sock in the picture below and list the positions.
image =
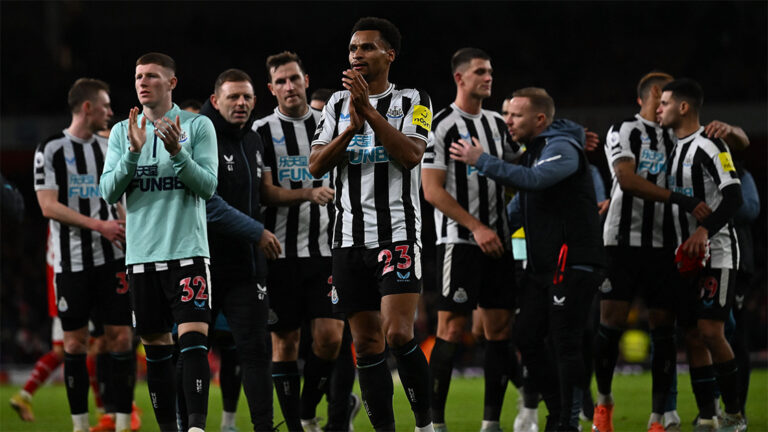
(80, 422)
(122, 421)
(487, 424)
(604, 399)
(670, 418)
(427, 428)
(195, 429)
(227, 418)
(655, 418)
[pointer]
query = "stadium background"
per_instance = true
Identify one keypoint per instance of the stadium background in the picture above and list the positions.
(588, 55)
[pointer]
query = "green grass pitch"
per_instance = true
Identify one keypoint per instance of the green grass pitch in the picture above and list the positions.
(463, 412)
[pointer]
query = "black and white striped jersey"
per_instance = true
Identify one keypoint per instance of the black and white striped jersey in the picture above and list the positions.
(377, 199)
(73, 167)
(633, 221)
(480, 196)
(700, 167)
(303, 229)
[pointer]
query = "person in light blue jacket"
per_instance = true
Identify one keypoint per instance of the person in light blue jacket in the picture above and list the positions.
(165, 161)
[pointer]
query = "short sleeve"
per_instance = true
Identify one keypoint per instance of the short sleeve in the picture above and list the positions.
(45, 176)
(417, 122)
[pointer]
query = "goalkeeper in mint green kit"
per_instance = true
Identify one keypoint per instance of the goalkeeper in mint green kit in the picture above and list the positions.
(165, 161)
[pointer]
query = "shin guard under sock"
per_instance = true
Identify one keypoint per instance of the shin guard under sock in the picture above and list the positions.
(317, 375)
(703, 384)
(496, 378)
(161, 382)
(377, 391)
(76, 380)
(121, 381)
(414, 375)
(727, 380)
(663, 366)
(196, 376)
(441, 368)
(287, 381)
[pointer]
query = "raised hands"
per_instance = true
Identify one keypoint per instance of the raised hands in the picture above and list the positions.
(358, 100)
(137, 135)
(169, 132)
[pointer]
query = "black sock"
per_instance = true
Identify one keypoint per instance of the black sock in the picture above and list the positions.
(514, 370)
(181, 404)
(663, 366)
(161, 383)
(727, 374)
(229, 377)
(342, 381)
(414, 375)
(196, 375)
(103, 374)
(606, 348)
(122, 381)
(287, 384)
(531, 394)
(441, 368)
(377, 391)
(317, 375)
(76, 380)
(703, 384)
(496, 368)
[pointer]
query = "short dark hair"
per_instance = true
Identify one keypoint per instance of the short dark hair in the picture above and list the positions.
(389, 32)
(688, 90)
(285, 57)
(84, 89)
(541, 101)
(159, 59)
(231, 75)
(321, 94)
(466, 55)
(191, 103)
(651, 79)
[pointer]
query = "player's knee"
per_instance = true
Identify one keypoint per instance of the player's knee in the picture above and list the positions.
(368, 346)
(327, 345)
(75, 345)
(398, 337)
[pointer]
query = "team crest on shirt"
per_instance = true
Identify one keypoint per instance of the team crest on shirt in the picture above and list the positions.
(262, 291)
(460, 296)
(645, 139)
(183, 137)
(229, 161)
(395, 113)
(63, 306)
(688, 161)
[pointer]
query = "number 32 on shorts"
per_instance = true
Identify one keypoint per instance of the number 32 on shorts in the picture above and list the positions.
(193, 288)
(386, 254)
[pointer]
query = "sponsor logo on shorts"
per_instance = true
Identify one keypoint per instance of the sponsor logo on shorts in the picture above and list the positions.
(558, 301)
(200, 304)
(460, 296)
(63, 306)
(272, 317)
(403, 277)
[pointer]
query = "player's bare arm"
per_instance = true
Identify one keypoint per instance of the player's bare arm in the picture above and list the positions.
(406, 150)
(433, 183)
(630, 182)
(277, 196)
(734, 136)
(112, 230)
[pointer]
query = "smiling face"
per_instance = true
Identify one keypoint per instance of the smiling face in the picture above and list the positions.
(475, 78)
(369, 54)
(288, 83)
(154, 84)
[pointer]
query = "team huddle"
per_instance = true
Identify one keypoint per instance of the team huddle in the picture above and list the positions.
(309, 220)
